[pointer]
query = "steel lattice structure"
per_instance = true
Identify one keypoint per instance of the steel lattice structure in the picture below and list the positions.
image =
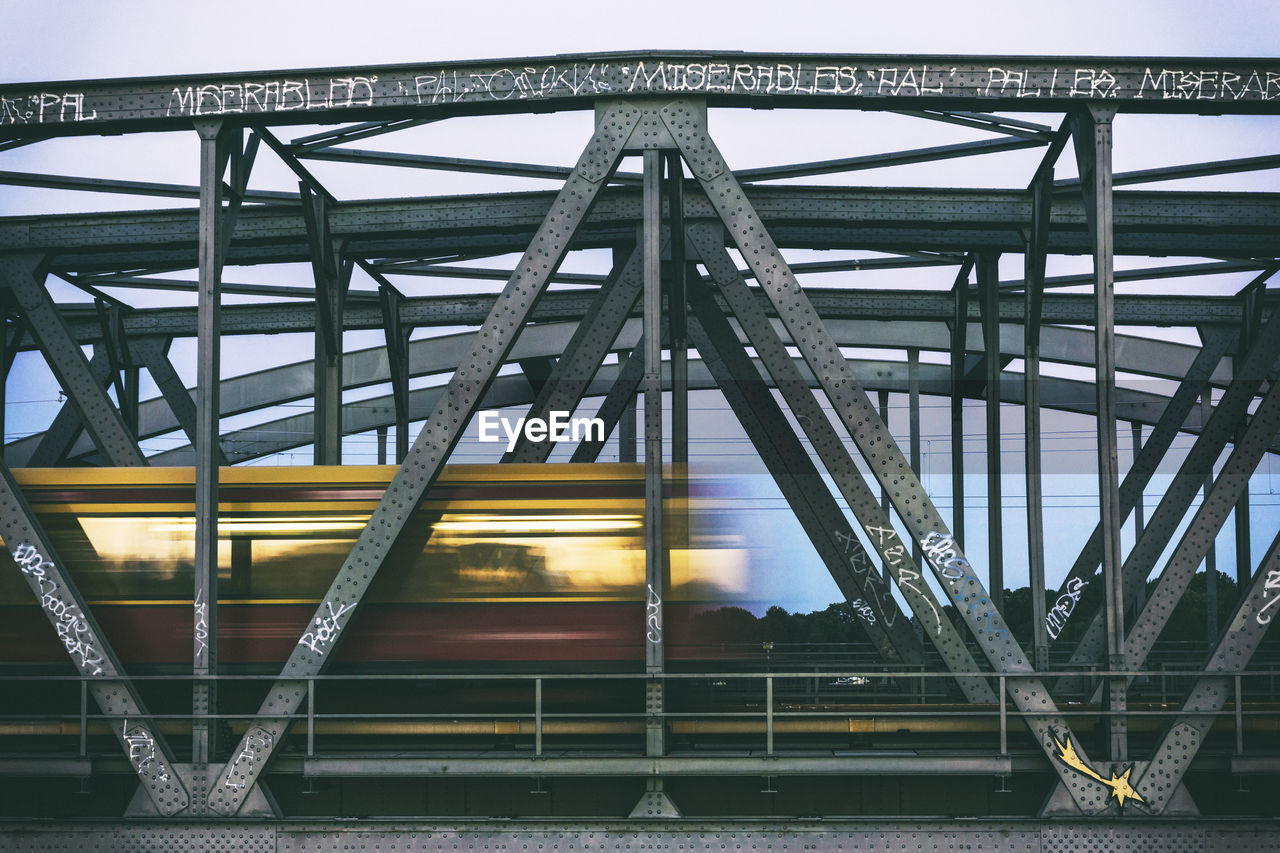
(674, 228)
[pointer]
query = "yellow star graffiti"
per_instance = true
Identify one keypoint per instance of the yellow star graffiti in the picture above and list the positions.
(1119, 785)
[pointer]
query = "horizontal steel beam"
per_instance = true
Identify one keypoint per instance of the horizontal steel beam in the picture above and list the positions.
(1146, 222)
(539, 84)
(672, 765)
(833, 304)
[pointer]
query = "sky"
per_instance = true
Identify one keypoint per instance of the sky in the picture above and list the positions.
(77, 39)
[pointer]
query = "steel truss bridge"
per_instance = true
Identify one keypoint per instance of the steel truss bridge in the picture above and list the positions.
(1084, 750)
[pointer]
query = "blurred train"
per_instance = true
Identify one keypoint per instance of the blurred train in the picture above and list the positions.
(498, 564)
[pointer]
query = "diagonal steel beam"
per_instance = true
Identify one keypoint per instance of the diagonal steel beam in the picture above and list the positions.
(1188, 555)
(1153, 451)
(708, 241)
(426, 458)
(615, 403)
(797, 477)
(101, 418)
(855, 410)
(61, 435)
(150, 352)
(1159, 529)
(1221, 499)
(36, 559)
(1187, 732)
(582, 357)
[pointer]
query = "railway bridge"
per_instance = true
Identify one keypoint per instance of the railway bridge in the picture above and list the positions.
(488, 640)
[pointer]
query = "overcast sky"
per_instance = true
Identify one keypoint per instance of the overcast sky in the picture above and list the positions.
(79, 39)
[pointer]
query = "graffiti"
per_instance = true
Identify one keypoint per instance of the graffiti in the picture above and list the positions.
(653, 616)
(271, 96)
(257, 741)
(70, 623)
(778, 78)
(1063, 607)
(326, 629)
(941, 551)
(737, 75)
(1119, 785)
(907, 579)
(504, 84)
(864, 610)
(142, 752)
(45, 108)
(906, 575)
(1208, 85)
(202, 627)
(1271, 591)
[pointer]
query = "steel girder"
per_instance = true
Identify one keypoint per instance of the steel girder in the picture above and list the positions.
(437, 90)
(59, 439)
(798, 479)
(921, 519)
(34, 556)
(1160, 527)
(1147, 223)
(1148, 459)
(100, 417)
(426, 457)
(1072, 309)
(1185, 734)
(586, 350)
(900, 565)
(283, 434)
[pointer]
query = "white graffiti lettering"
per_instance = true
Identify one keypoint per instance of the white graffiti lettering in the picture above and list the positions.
(941, 551)
(864, 610)
(653, 616)
(201, 626)
(1063, 607)
(326, 629)
(45, 108)
(142, 752)
(1271, 593)
(70, 623)
(256, 741)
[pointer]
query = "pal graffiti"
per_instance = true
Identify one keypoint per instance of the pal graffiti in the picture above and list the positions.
(1063, 607)
(71, 625)
(326, 628)
(45, 108)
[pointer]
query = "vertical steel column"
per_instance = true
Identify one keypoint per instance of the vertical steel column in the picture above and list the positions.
(627, 422)
(381, 433)
(1211, 557)
(331, 277)
(676, 308)
(1251, 322)
(397, 337)
(1091, 132)
(913, 417)
(208, 376)
(655, 727)
(989, 291)
(1033, 297)
(1139, 516)
(882, 400)
(959, 332)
